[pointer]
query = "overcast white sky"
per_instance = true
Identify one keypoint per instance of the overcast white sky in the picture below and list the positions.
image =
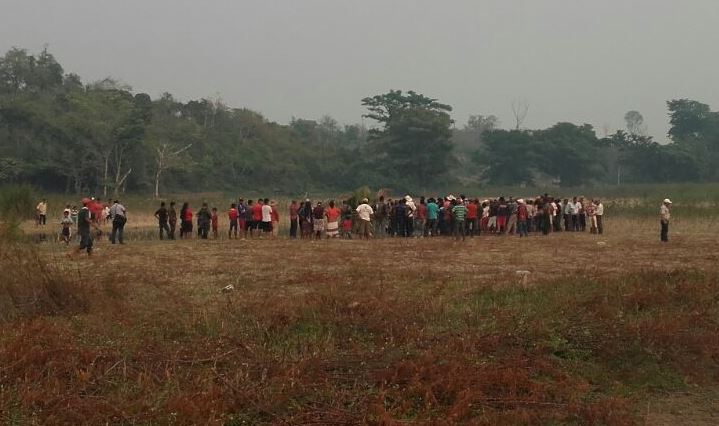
(570, 60)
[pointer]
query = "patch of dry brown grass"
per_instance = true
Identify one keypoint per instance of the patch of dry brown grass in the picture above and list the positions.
(347, 332)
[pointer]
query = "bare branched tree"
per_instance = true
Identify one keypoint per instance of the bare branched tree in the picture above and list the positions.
(163, 159)
(520, 108)
(635, 123)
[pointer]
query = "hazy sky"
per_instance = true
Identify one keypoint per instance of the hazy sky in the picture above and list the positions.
(570, 60)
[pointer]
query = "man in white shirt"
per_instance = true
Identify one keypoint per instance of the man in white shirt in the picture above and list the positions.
(267, 217)
(365, 212)
(599, 214)
(41, 213)
(665, 215)
(576, 208)
(118, 215)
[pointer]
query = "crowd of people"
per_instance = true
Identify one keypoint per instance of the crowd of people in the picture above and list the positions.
(92, 215)
(459, 217)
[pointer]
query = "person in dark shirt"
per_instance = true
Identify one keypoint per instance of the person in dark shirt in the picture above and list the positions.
(318, 220)
(248, 218)
(305, 216)
(163, 217)
(85, 222)
(172, 216)
(502, 215)
(400, 216)
(204, 217)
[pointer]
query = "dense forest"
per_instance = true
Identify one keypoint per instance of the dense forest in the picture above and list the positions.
(62, 134)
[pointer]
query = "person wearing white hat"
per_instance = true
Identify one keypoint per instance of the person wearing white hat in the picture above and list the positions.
(665, 215)
(410, 210)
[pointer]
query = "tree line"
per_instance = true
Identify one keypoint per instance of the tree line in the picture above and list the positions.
(61, 134)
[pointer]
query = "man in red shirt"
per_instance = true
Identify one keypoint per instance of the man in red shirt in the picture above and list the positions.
(232, 216)
(257, 217)
(473, 218)
(522, 217)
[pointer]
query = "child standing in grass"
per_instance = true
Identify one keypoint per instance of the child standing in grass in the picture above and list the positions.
(73, 215)
(66, 231)
(215, 222)
(347, 227)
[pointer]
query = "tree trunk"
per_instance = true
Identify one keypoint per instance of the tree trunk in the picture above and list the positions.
(104, 178)
(158, 172)
(121, 182)
(157, 183)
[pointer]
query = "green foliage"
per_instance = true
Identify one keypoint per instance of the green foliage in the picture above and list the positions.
(414, 143)
(568, 152)
(16, 202)
(510, 155)
(565, 153)
(61, 135)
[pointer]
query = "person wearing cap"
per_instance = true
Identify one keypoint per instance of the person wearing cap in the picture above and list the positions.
(365, 212)
(665, 215)
(410, 209)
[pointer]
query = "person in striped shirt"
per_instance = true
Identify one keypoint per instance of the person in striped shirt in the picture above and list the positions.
(459, 213)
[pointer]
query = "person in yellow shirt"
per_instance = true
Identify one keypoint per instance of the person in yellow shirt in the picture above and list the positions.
(41, 213)
(665, 215)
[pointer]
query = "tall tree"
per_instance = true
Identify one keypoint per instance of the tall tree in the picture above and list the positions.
(413, 141)
(510, 156)
(688, 119)
(568, 152)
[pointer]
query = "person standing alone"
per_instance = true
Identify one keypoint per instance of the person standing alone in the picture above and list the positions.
(599, 215)
(665, 215)
(41, 213)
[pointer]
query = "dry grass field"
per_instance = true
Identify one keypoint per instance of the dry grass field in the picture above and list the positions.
(612, 329)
